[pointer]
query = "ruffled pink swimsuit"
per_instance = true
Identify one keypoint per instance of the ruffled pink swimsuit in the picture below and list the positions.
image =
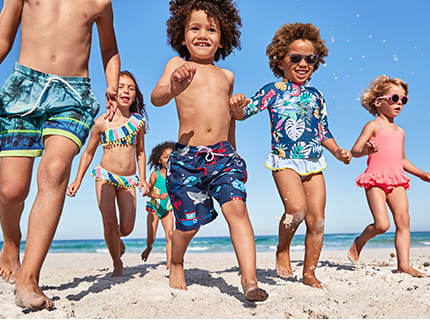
(385, 167)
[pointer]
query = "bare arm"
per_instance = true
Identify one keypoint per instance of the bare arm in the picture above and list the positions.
(86, 158)
(363, 146)
(141, 161)
(10, 18)
(110, 57)
(409, 167)
(339, 153)
(176, 77)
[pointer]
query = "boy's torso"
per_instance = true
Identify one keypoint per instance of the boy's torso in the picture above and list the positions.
(203, 108)
(56, 35)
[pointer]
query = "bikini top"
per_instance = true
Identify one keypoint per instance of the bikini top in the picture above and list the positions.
(124, 135)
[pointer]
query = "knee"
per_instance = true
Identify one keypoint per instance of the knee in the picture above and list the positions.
(54, 174)
(13, 192)
(169, 235)
(292, 221)
(316, 227)
(381, 227)
(125, 230)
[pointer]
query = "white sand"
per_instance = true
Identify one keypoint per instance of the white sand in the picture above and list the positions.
(82, 287)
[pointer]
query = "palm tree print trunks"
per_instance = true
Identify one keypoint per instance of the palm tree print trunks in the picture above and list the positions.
(34, 105)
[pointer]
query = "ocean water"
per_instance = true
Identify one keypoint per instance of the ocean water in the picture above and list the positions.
(223, 244)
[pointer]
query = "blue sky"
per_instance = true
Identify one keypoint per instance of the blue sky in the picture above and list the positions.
(365, 39)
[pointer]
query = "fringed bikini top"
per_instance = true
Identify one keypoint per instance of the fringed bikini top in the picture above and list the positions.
(124, 135)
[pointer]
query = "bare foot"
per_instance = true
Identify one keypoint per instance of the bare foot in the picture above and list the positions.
(353, 254)
(313, 282)
(146, 253)
(30, 296)
(117, 269)
(121, 247)
(9, 263)
(177, 277)
(413, 272)
(283, 265)
(254, 293)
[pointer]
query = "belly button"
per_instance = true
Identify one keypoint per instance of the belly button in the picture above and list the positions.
(53, 58)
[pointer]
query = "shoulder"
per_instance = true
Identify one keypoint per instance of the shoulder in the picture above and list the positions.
(99, 124)
(175, 61)
(315, 91)
(372, 125)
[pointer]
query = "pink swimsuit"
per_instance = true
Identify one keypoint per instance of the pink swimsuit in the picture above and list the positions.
(385, 167)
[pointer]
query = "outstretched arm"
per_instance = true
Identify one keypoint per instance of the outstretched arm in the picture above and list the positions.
(176, 77)
(110, 57)
(10, 18)
(409, 167)
(86, 158)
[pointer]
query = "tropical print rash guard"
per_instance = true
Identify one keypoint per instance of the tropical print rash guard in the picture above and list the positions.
(298, 118)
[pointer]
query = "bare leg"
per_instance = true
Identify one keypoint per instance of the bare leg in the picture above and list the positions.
(180, 242)
(52, 178)
(151, 230)
(15, 179)
(398, 202)
(126, 199)
(106, 195)
(167, 222)
(292, 194)
(242, 237)
(314, 187)
(376, 199)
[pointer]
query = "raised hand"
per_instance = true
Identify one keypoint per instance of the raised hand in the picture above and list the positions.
(181, 78)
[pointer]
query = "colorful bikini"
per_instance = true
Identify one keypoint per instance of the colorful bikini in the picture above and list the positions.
(124, 135)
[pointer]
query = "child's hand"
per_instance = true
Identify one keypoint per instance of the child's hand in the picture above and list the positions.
(370, 147)
(181, 78)
(143, 187)
(426, 176)
(111, 103)
(237, 103)
(164, 196)
(343, 155)
(73, 188)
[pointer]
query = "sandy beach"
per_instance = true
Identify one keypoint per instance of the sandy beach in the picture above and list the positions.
(82, 287)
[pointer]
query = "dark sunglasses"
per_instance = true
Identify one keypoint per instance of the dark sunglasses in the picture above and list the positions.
(394, 98)
(297, 58)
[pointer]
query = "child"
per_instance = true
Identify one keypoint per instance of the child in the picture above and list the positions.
(160, 207)
(204, 163)
(46, 104)
(385, 180)
(299, 129)
(122, 141)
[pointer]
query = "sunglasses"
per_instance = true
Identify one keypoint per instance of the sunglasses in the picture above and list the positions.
(394, 98)
(297, 58)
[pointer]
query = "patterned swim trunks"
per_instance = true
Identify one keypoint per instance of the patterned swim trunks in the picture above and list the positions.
(34, 104)
(196, 175)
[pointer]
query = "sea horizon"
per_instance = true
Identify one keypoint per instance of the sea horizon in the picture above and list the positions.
(264, 243)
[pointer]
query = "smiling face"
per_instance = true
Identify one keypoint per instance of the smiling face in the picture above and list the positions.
(202, 37)
(297, 72)
(126, 92)
(386, 107)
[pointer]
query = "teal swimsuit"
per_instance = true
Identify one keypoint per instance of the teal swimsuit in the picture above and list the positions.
(159, 206)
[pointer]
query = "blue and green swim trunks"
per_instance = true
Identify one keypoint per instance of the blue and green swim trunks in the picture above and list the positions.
(34, 105)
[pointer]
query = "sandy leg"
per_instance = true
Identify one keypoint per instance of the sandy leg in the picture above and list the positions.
(177, 277)
(312, 281)
(283, 265)
(353, 253)
(9, 262)
(146, 253)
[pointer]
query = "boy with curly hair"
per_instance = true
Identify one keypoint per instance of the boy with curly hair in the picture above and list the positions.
(204, 164)
(299, 130)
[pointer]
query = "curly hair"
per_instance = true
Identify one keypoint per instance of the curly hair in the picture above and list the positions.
(378, 87)
(224, 11)
(138, 106)
(156, 153)
(286, 35)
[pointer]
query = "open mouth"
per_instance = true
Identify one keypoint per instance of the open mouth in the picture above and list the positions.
(125, 99)
(202, 44)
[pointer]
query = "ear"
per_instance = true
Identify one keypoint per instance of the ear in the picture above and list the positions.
(280, 66)
(377, 103)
